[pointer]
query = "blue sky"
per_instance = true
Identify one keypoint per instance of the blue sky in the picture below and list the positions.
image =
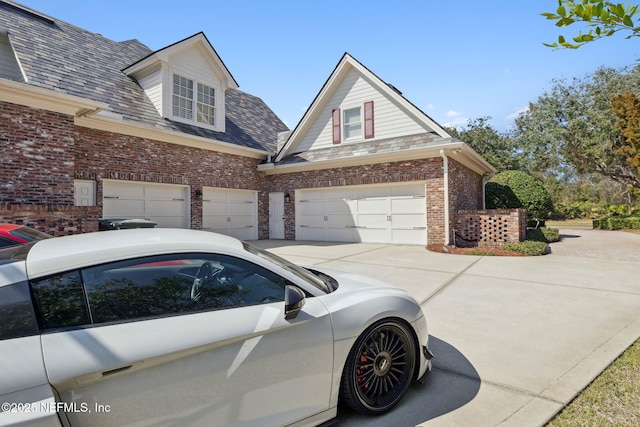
(456, 60)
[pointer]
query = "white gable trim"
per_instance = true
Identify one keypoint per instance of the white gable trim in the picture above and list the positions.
(200, 42)
(347, 62)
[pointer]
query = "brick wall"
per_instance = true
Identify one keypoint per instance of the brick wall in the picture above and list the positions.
(37, 152)
(57, 220)
(105, 155)
(489, 227)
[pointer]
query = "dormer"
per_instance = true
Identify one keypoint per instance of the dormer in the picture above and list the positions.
(186, 82)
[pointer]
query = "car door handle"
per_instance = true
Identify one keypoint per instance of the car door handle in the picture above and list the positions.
(116, 370)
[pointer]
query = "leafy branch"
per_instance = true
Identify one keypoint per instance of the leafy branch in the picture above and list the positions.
(603, 17)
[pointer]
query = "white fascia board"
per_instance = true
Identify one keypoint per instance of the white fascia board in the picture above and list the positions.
(46, 99)
(458, 151)
(110, 123)
(413, 154)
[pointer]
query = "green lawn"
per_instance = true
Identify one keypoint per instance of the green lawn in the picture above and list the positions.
(612, 399)
(581, 222)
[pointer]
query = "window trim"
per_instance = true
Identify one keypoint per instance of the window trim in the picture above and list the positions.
(345, 124)
(196, 105)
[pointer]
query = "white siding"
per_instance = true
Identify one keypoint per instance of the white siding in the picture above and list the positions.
(8, 63)
(389, 120)
(152, 85)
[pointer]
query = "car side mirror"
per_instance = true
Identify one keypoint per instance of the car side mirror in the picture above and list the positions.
(293, 301)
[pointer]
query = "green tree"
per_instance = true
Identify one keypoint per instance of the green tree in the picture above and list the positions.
(572, 125)
(497, 148)
(603, 18)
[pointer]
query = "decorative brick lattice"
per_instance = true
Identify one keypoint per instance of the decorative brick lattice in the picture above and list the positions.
(489, 227)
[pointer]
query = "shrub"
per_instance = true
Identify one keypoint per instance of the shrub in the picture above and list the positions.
(516, 189)
(528, 247)
(617, 222)
(543, 234)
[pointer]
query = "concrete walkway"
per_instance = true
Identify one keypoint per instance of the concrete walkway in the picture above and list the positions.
(515, 338)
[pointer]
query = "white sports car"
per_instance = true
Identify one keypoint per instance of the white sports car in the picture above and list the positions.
(183, 327)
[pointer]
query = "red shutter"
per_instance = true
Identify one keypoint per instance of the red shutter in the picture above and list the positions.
(368, 119)
(335, 120)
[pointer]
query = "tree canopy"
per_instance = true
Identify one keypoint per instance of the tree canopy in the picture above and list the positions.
(573, 125)
(603, 18)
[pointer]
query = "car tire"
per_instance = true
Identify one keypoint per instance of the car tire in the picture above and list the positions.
(379, 368)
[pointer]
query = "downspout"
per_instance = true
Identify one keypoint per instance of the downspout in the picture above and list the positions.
(445, 166)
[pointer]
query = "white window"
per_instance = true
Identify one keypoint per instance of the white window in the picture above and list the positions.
(206, 105)
(352, 123)
(184, 98)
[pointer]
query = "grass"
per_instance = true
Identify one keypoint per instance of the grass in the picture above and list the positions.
(612, 399)
(580, 222)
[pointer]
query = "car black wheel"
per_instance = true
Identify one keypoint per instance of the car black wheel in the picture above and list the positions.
(379, 369)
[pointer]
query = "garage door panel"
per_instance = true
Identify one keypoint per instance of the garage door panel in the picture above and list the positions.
(240, 208)
(408, 221)
(340, 234)
(337, 206)
(166, 207)
(407, 205)
(215, 208)
(229, 211)
(394, 213)
(313, 220)
(338, 220)
(164, 204)
(122, 208)
(373, 220)
(374, 206)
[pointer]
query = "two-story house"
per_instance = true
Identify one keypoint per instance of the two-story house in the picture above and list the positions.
(88, 124)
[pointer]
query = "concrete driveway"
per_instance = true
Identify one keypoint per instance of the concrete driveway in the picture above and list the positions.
(515, 338)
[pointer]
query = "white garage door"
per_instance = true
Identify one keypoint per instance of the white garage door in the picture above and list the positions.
(165, 204)
(372, 214)
(231, 212)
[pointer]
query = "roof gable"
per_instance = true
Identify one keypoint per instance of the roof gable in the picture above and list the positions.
(349, 84)
(176, 51)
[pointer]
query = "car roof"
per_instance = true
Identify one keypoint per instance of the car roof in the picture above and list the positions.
(65, 253)
(9, 227)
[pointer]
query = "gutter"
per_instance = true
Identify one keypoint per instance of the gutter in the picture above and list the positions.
(445, 167)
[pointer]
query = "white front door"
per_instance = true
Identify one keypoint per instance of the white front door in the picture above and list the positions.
(276, 215)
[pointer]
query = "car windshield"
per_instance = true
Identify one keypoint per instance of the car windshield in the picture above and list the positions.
(29, 234)
(302, 273)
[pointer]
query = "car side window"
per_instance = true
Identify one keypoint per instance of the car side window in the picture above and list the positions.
(60, 301)
(175, 284)
(17, 318)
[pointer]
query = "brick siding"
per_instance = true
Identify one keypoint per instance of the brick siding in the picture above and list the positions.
(492, 227)
(37, 152)
(56, 220)
(43, 152)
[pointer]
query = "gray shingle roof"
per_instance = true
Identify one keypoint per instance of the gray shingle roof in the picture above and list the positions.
(61, 57)
(383, 146)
